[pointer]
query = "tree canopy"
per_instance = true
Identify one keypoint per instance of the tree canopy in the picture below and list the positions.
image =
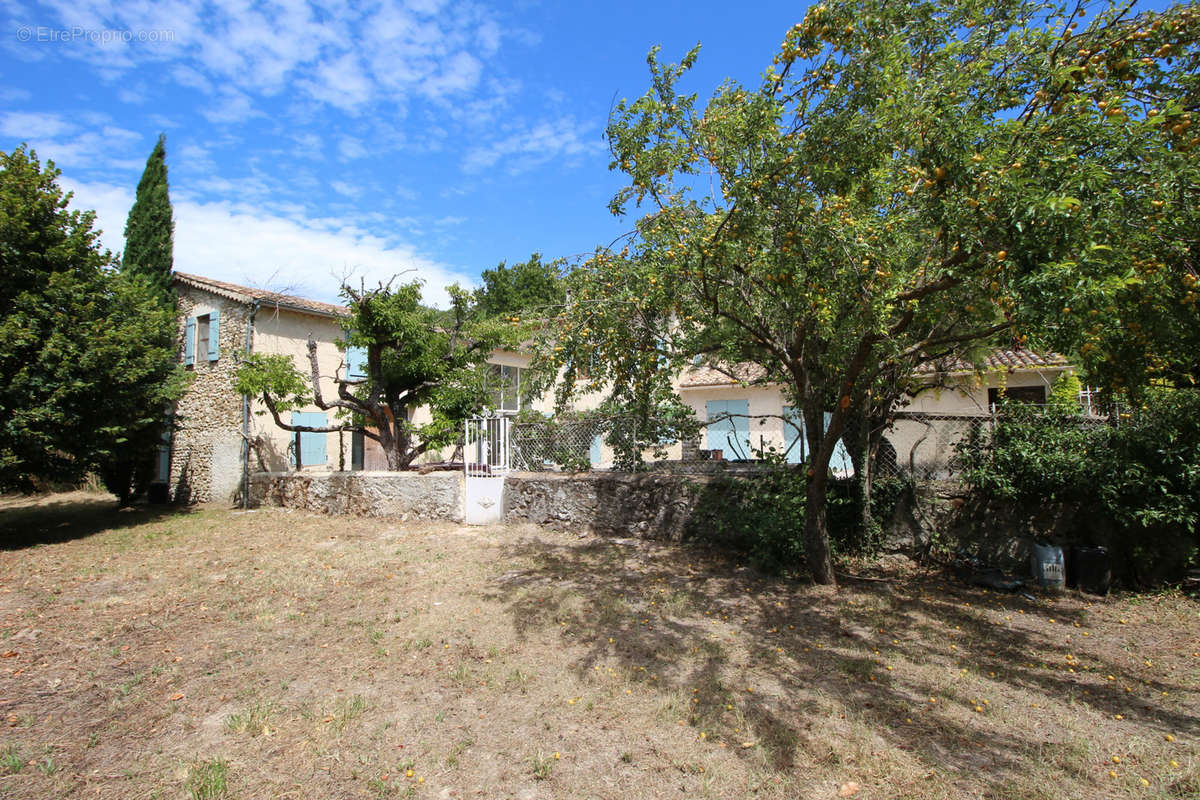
(150, 228)
(87, 355)
(909, 181)
(400, 356)
(532, 286)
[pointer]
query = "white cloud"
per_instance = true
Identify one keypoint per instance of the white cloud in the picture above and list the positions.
(350, 148)
(525, 150)
(191, 78)
(346, 189)
(248, 245)
(230, 106)
(341, 83)
(34, 125)
(56, 138)
(192, 157)
(133, 96)
(13, 95)
(460, 73)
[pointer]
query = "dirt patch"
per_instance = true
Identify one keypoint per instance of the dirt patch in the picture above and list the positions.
(275, 654)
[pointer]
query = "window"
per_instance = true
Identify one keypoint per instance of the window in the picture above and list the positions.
(796, 444)
(356, 363)
(202, 338)
(728, 428)
(308, 445)
(506, 388)
(1018, 394)
(202, 329)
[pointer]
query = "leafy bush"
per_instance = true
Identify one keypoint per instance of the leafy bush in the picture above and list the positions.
(1033, 456)
(1133, 487)
(762, 516)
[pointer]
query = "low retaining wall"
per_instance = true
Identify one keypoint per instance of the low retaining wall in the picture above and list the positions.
(407, 495)
(650, 505)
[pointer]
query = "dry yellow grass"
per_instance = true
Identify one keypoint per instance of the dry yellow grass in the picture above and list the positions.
(211, 653)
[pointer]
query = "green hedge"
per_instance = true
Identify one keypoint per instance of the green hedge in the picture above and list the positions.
(1133, 487)
(762, 516)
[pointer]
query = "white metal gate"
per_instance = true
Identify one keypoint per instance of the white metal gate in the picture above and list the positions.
(486, 462)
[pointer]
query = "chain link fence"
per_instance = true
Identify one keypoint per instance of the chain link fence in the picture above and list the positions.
(554, 444)
(924, 446)
(916, 445)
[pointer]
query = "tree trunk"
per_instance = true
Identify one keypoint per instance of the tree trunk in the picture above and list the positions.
(864, 473)
(816, 533)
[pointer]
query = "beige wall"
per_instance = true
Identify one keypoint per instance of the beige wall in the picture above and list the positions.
(920, 443)
(283, 331)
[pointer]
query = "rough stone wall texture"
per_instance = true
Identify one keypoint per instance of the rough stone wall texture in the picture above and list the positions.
(206, 454)
(649, 505)
(407, 495)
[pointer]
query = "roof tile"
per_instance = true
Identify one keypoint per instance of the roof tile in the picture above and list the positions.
(246, 294)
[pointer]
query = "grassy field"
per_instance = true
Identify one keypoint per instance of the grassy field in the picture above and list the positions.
(213, 654)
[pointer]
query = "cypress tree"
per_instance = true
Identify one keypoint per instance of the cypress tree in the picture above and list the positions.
(149, 231)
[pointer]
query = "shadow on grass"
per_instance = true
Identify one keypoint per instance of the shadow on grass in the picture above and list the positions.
(690, 622)
(32, 521)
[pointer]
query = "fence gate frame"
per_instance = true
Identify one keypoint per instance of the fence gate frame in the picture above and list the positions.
(487, 451)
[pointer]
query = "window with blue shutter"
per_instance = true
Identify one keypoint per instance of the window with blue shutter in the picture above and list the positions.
(214, 335)
(189, 342)
(356, 362)
(732, 434)
(312, 445)
(840, 461)
(793, 435)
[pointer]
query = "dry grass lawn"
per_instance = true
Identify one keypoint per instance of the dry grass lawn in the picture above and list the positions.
(216, 654)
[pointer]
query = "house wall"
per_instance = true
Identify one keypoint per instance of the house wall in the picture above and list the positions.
(282, 331)
(206, 452)
(765, 407)
(913, 441)
(928, 446)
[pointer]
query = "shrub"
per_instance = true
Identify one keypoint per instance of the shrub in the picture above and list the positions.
(1133, 487)
(762, 516)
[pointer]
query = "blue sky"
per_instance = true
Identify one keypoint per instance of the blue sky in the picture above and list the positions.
(310, 142)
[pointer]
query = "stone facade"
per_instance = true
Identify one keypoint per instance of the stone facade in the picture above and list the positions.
(206, 453)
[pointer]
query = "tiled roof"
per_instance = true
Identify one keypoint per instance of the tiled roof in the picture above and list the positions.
(1009, 360)
(707, 376)
(248, 294)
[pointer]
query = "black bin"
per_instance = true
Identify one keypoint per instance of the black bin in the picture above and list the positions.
(158, 493)
(1089, 571)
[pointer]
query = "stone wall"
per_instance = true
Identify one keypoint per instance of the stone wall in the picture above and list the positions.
(206, 454)
(407, 495)
(654, 505)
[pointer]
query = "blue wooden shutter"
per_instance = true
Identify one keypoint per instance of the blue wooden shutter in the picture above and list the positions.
(214, 335)
(312, 445)
(189, 342)
(731, 435)
(356, 362)
(793, 435)
(840, 461)
(596, 451)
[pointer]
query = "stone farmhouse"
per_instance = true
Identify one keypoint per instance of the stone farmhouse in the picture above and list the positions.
(221, 437)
